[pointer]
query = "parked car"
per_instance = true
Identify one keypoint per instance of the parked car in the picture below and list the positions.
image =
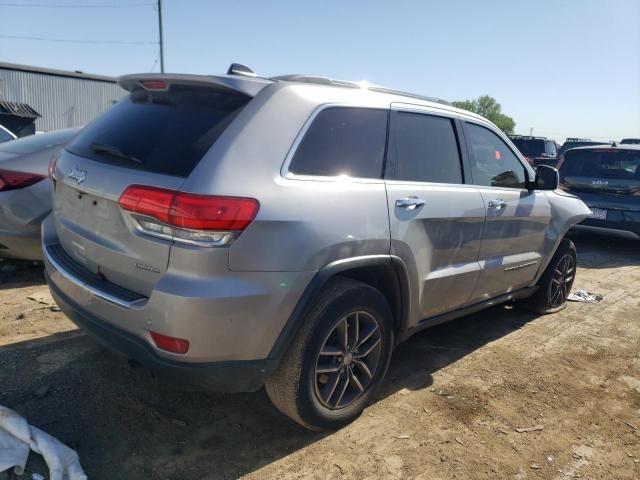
(630, 141)
(6, 135)
(536, 150)
(607, 179)
(578, 142)
(277, 238)
(25, 196)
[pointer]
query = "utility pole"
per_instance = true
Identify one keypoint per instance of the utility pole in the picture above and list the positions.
(161, 39)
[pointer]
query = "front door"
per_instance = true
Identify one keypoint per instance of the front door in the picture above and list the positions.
(517, 219)
(436, 221)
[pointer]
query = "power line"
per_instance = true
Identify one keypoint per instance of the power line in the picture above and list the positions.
(75, 5)
(69, 40)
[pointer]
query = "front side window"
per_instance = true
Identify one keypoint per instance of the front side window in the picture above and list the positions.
(427, 149)
(343, 141)
(493, 164)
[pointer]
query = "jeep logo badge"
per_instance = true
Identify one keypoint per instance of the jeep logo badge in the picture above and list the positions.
(77, 175)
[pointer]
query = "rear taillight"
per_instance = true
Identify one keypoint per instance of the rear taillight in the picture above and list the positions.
(186, 217)
(52, 167)
(11, 180)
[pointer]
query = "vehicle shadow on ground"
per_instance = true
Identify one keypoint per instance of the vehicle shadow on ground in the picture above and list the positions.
(125, 424)
(17, 273)
(597, 250)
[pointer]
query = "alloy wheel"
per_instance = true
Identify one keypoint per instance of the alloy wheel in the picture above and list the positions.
(348, 360)
(562, 280)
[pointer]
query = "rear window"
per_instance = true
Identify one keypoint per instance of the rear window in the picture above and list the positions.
(343, 141)
(568, 145)
(161, 132)
(5, 136)
(611, 164)
(529, 148)
(41, 141)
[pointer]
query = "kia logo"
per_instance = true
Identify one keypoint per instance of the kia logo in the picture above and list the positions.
(77, 175)
(600, 182)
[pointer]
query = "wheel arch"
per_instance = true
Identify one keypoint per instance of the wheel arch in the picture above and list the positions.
(387, 273)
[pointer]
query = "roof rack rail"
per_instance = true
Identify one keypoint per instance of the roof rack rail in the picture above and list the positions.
(318, 80)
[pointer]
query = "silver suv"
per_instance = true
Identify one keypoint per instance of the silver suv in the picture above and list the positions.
(233, 231)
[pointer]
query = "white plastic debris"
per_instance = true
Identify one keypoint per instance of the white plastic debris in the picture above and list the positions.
(17, 437)
(584, 296)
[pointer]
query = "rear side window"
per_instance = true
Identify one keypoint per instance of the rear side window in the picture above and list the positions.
(426, 149)
(550, 148)
(343, 141)
(493, 164)
(161, 132)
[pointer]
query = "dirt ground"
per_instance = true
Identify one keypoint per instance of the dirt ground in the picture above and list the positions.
(451, 406)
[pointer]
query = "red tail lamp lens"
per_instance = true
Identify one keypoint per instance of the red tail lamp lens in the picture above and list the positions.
(187, 210)
(170, 344)
(12, 180)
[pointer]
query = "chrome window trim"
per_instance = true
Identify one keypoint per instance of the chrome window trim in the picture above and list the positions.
(91, 289)
(284, 170)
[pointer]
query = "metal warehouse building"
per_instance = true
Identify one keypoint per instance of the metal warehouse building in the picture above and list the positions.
(59, 99)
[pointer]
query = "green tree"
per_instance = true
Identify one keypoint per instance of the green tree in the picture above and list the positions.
(490, 109)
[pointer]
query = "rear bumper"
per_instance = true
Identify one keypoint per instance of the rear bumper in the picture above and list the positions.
(231, 376)
(231, 319)
(21, 213)
(21, 245)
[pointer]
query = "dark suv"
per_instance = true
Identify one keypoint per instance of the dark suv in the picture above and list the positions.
(536, 150)
(607, 179)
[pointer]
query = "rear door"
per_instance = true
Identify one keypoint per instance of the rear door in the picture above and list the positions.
(436, 221)
(517, 219)
(155, 137)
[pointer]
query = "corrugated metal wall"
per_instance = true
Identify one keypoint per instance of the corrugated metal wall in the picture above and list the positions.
(62, 101)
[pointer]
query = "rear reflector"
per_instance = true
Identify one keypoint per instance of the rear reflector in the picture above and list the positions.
(187, 210)
(12, 180)
(170, 344)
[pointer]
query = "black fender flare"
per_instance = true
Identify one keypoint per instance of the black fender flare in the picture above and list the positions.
(327, 272)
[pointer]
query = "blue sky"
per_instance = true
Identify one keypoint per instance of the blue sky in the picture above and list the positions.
(563, 67)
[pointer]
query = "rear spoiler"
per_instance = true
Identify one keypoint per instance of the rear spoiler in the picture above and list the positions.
(249, 86)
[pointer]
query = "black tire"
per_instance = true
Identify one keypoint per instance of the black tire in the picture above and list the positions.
(556, 281)
(296, 387)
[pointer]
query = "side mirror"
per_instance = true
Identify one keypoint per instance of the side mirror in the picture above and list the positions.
(547, 178)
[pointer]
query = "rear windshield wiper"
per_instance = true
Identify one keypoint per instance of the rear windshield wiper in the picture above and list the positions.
(114, 152)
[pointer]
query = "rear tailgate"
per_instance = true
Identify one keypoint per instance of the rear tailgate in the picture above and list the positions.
(154, 137)
(93, 230)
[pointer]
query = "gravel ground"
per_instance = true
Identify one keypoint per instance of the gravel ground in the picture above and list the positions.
(453, 406)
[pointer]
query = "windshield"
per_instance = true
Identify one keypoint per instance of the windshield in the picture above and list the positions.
(162, 132)
(602, 164)
(41, 141)
(529, 148)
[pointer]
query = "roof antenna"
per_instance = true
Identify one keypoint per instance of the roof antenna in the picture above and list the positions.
(240, 69)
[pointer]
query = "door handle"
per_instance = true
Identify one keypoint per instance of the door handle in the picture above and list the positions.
(497, 204)
(410, 203)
